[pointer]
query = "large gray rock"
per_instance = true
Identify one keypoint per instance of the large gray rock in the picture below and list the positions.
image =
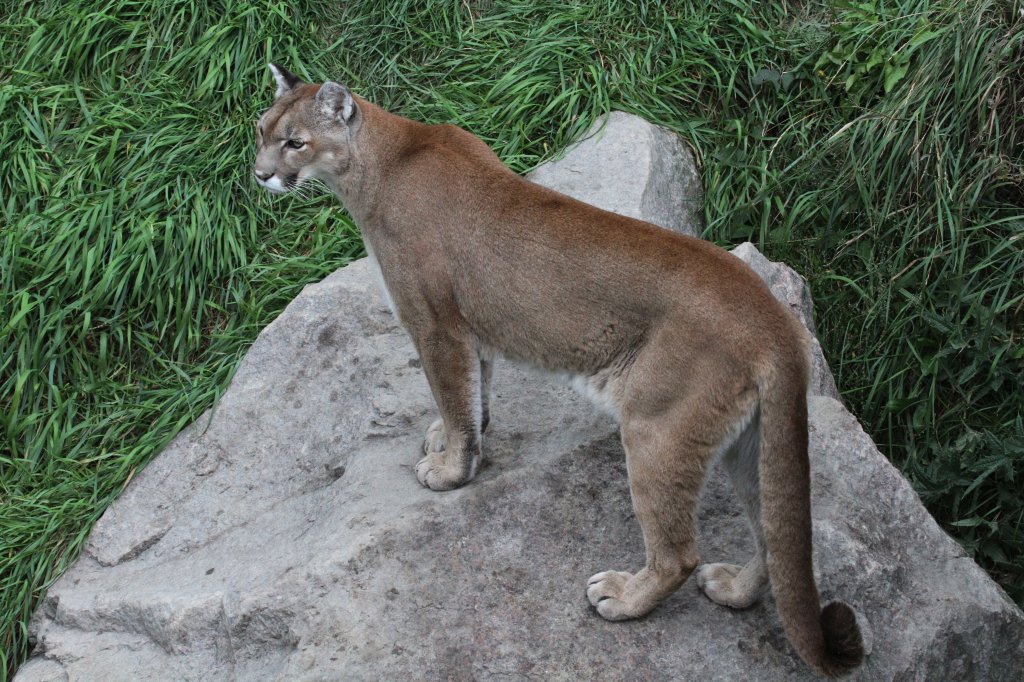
(627, 165)
(283, 536)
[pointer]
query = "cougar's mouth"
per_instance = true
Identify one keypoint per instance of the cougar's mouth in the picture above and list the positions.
(276, 185)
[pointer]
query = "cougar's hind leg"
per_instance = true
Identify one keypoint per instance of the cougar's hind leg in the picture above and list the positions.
(729, 584)
(666, 461)
(452, 443)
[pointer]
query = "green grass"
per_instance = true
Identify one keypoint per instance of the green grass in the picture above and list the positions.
(879, 149)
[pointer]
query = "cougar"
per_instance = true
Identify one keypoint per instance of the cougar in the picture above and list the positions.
(679, 339)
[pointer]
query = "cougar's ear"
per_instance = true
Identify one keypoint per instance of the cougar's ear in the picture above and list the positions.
(286, 80)
(335, 101)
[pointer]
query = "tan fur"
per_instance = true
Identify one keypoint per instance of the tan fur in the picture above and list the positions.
(681, 340)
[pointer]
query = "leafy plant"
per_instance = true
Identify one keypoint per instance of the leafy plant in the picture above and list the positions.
(870, 56)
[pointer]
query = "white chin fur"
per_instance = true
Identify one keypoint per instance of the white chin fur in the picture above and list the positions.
(274, 184)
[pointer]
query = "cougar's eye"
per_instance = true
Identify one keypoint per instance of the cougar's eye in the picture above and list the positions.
(295, 144)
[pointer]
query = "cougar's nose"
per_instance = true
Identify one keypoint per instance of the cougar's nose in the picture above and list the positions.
(263, 175)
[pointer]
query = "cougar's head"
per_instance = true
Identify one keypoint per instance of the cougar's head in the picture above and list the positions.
(306, 133)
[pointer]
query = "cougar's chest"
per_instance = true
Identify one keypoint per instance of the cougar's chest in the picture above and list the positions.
(379, 275)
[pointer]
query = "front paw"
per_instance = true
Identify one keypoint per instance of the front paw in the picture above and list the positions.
(446, 466)
(436, 439)
(436, 475)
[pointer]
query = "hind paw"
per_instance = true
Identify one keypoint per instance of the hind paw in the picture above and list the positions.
(723, 584)
(608, 592)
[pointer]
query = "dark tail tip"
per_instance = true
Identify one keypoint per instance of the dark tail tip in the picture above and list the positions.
(844, 644)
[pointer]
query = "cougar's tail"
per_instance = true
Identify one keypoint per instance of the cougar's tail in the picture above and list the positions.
(828, 639)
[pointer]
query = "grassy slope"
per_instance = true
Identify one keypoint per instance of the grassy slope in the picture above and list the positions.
(878, 151)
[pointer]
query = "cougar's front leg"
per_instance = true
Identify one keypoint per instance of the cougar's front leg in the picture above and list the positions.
(486, 373)
(452, 443)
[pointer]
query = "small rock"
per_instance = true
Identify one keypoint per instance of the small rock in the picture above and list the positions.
(790, 288)
(629, 166)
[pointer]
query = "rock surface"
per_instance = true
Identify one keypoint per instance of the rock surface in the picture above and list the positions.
(283, 536)
(627, 165)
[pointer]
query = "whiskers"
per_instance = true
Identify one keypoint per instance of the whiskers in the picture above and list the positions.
(310, 189)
